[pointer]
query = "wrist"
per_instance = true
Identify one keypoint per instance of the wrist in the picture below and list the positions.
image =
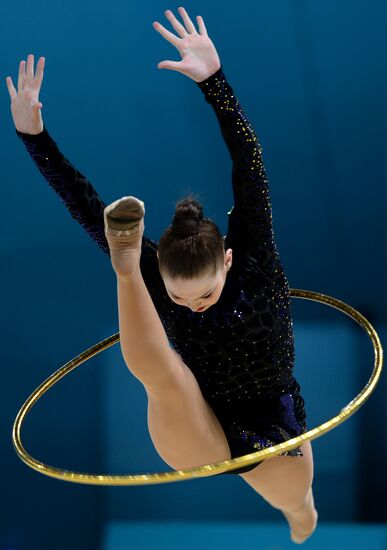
(211, 77)
(127, 278)
(30, 132)
(32, 137)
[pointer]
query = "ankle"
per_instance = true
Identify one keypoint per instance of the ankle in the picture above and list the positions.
(129, 277)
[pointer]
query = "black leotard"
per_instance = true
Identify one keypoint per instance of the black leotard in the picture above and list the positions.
(241, 349)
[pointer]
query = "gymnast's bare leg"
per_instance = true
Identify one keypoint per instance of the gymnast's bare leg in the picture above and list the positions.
(285, 482)
(184, 429)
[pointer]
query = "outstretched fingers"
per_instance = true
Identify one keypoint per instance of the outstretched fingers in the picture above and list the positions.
(30, 66)
(30, 72)
(26, 71)
(11, 88)
(39, 69)
(166, 34)
(179, 28)
(22, 75)
(201, 25)
(187, 21)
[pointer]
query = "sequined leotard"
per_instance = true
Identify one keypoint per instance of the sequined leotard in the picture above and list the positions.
(241, 349)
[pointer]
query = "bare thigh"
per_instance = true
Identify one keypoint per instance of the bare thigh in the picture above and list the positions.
(284, 481)
(183, 427)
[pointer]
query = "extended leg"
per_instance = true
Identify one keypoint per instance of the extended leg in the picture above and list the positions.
(286, 483)
(144, 343)
(182, 426)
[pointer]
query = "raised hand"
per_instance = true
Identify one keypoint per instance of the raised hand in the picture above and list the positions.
(25, 104)
(199, 56)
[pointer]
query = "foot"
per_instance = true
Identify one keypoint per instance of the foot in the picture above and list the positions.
(299, 535)
(303, 523)
(124, 227)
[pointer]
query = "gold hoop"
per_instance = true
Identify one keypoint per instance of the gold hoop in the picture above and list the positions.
(208, 469)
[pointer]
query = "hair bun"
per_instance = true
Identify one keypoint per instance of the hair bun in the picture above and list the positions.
(188, 218)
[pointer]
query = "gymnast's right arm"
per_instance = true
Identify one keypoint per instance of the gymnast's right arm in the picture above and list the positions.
(75, 190)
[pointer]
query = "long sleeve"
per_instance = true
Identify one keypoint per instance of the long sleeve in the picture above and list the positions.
(250, 228)
(76, 192)
(82, 200)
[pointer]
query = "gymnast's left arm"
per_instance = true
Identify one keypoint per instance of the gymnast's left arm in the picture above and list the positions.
(250, 221)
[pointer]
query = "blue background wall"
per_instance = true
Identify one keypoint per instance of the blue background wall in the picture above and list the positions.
(312, 79)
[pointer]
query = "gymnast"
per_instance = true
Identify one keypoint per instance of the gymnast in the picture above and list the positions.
(204, 320)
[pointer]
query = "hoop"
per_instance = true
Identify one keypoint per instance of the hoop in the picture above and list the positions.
(208, 469)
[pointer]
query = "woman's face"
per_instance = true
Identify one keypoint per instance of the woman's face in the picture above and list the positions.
(200, 292)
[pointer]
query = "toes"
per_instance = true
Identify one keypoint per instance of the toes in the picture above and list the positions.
(124, 214)
(129, 207)
(301, 536)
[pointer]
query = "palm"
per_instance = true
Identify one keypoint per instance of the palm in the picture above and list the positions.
(25, 105)
(194, 51)
(199, 56)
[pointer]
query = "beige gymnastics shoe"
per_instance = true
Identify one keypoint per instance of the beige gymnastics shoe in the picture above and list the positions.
(124, 227)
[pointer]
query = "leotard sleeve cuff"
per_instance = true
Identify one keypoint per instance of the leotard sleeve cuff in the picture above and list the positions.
(211, 79)
(33, 138)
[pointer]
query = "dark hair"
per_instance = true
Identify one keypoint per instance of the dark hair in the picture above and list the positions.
(192, 245)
